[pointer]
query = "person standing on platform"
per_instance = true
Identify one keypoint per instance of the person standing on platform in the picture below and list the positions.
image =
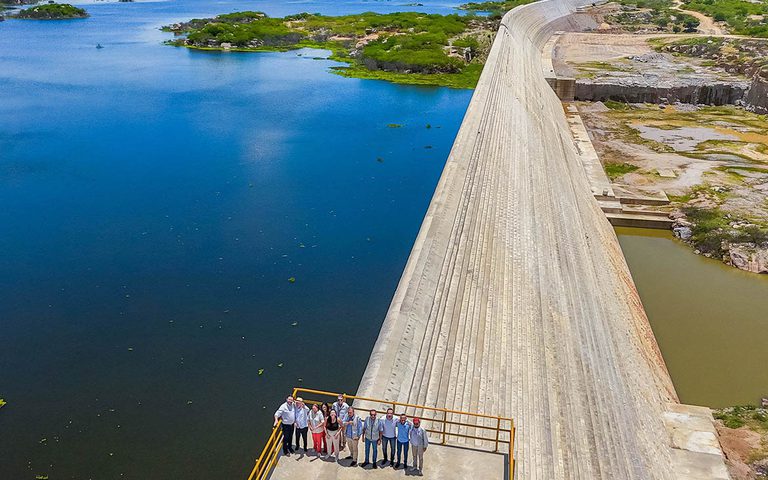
(286, 415)
(388, 434)
(403, 439)
(325, 409)
(372, 434)
(353, 430)
(419, 439)
(333, 434)
(302, 422)
(341, 407)
(317, 427)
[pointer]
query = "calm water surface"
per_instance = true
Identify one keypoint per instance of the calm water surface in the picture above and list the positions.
(155, 202)
(710, 319)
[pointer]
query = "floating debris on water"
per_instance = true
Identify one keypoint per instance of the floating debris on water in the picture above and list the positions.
(261, 372)
(394, 125)
(280, 365)
(292, 280)
(294, 324)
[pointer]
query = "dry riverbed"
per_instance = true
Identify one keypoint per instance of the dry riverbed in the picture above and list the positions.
(711, 161)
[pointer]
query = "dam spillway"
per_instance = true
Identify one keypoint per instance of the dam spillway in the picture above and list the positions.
(516, 299)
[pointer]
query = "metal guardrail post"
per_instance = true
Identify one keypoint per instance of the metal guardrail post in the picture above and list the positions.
(512, 452)
(445, 418)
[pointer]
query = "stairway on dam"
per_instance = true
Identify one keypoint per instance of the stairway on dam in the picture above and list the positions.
(517, 301)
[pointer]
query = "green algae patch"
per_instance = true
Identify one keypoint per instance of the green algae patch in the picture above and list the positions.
(616, 170)
(406, 47)
(52, 11)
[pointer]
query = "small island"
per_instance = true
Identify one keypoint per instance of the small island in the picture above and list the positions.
(52, 11)
(409, 47)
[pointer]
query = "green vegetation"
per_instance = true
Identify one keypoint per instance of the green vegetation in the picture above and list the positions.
(712, 227)
(613, 105)
(406, 47)
(641, 14)
(743, 17)
(494, 9)
(743, 55)
(616, 170)
(739, 416)
(52, 11)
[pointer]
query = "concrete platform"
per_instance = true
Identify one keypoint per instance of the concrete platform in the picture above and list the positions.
(441, 463)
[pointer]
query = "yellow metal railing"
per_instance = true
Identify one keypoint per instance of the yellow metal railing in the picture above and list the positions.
(501, 429)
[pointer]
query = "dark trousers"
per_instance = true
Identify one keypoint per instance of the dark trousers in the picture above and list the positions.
(368, 445)
(301, 434)
(402, 446)
(388, 444)
(287, 437)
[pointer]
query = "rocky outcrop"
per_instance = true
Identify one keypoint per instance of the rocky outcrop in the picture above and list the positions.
(757, 97)
(743, 56)
(747, 256)
(712, 94)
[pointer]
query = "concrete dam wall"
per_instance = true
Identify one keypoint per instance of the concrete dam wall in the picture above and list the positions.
(516, 299)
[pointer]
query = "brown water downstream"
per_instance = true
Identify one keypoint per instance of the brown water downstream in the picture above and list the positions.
(710, 320)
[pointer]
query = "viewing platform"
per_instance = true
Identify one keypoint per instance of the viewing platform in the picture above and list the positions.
(462, 445)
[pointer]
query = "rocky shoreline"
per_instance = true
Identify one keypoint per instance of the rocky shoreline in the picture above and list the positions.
(748, 256)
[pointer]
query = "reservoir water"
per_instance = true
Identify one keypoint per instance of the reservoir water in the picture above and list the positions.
(156, 203)
(710, 320)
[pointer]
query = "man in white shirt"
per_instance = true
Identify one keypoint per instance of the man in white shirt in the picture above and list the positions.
(340, 406)
(286, 415)
(302, 422)
(388, 437)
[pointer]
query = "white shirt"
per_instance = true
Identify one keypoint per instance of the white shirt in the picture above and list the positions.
(286, 413)
(316, 420)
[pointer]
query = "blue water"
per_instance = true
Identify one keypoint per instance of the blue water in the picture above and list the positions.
(154, 203)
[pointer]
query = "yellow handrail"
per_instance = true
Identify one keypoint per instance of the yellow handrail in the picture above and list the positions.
(269, 455)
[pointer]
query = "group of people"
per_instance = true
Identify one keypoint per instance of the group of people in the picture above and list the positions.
(337, 426)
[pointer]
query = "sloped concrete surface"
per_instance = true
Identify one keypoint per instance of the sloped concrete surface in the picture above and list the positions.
(516, 299)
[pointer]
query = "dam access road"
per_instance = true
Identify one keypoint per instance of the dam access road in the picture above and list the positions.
(517, 301)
